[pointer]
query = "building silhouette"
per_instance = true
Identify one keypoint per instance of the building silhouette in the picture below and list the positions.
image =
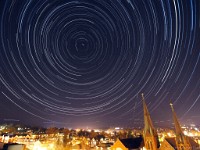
(181, 141)
(150, 135)
(150, 140)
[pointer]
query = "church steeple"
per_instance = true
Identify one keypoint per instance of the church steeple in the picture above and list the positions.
(149, 134)
(148, 125)
(182, 141)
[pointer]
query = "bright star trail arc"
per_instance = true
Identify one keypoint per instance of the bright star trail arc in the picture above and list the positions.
(88, 61)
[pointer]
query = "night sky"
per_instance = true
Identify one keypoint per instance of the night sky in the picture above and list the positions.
(85, 63)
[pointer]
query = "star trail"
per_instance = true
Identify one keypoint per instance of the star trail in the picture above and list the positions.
(86, 62)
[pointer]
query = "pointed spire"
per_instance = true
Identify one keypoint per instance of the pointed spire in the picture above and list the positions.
(149, 134)
(176, 123)
(182, 141)
(148, 125)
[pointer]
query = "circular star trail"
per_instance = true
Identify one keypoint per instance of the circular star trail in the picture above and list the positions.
(90, 60)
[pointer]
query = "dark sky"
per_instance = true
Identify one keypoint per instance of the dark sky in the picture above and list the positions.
(85, 63)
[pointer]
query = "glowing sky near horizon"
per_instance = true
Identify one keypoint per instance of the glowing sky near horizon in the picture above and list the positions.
(86, 62)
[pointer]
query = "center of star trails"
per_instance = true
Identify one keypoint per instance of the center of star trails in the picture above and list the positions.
(81, 45)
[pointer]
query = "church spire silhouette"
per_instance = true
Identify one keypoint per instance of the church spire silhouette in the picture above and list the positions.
(149, 134)
(182, 141)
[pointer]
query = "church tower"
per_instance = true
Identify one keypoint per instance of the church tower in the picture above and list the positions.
(182, 141)
(149, 134)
